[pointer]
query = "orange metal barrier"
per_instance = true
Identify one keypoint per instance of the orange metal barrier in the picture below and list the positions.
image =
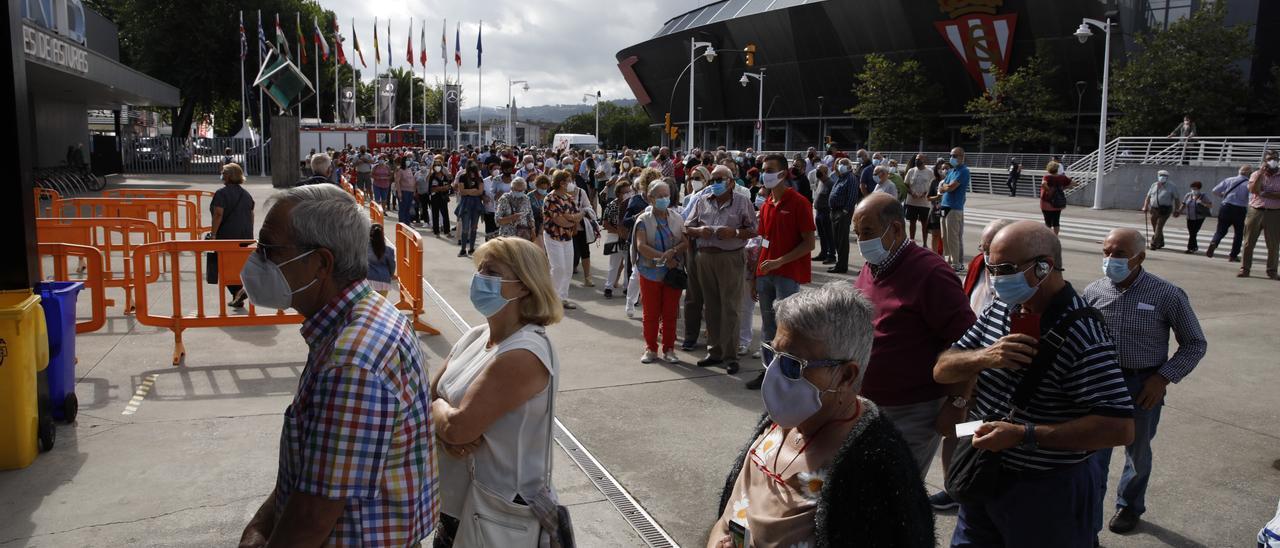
(108, 235)
(42, 193)
(376, 215)
(177, 219)
(199, 197)
(232, 255)
(93, 278)
(409, 276)
(359, 194)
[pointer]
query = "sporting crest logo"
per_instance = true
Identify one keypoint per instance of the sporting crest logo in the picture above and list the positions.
(980, 38)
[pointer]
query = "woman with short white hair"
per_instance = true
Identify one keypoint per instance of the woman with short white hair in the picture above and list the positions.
(825, 467)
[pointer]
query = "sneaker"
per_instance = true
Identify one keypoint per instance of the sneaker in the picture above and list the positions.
(1125, 521)
(649, 356)
(631, 314)
(462, 253)
(742, 350)
(608, 293)
(568, 305)
(670, 356)
(941, 501)
(755, 353)
(689, 345)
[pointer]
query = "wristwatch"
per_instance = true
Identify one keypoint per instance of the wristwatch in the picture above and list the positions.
(1029, 438)
(959, 402)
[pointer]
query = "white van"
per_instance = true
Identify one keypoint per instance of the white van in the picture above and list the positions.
(577, 141)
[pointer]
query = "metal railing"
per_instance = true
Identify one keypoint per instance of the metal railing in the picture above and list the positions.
(1229, 151)
(167, 154)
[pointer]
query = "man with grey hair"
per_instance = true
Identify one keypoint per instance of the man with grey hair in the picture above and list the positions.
(921, 310)
(356, 464)
(721, 222)
(1234, 192)
(321, 170)
(1141, 309)
(851, 460)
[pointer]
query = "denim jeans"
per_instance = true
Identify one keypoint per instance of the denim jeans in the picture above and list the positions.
(1132, 491)
(771, 289)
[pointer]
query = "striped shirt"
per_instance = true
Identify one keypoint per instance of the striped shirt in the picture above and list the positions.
(359, 428)
(1085, 380)
(1141, 317)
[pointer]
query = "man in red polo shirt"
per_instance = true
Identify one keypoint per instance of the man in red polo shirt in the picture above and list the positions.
(921, 309)
(787, 237)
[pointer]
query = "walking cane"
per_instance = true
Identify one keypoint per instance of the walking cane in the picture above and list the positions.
(1146, 222)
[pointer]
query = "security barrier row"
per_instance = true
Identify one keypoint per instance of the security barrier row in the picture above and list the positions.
(201, 198)
(92, 260)
(376, 215)
(110, 236)
(45, 194)
(409, 276)
(177, 219)
(232, 254)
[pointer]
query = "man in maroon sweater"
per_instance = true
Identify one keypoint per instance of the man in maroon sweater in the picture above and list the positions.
(920, 310)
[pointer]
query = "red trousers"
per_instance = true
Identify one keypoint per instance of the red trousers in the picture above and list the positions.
(660, 303)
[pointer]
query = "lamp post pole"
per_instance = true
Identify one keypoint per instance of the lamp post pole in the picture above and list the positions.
(1080, 86)
(759, 144)
(693, 55)
(1083, 33)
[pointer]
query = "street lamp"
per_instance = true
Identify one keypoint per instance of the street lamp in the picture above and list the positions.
(511, 122)
(710, 56)
(822, 144)
(596, 96)
(1083, 33)
(1080, 86)
(759, 105)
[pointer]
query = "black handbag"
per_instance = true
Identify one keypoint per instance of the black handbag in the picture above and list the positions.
(1058, 198)
(210, 264)
(676, 278)
(977, 475)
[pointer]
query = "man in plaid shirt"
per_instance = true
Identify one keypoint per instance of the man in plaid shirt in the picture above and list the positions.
(356, 461)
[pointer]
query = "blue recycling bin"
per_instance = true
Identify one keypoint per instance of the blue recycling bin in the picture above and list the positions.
(59, 302)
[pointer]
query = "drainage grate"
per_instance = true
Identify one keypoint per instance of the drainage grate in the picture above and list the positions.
(641, 521)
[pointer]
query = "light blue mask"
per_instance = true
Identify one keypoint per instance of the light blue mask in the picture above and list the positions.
(1116, 268)
(873, 250)
(954, 162)
(718, 188)
(486, 294)
(1013, 288)
(662, 203)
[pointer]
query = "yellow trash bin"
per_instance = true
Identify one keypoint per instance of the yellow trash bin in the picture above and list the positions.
(24, 350)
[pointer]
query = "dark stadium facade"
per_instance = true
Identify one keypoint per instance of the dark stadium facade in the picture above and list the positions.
(812, 51)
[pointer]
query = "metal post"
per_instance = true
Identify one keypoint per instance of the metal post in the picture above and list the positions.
(1102, 119)
(262, 122)
(1080, 85)
(760, 115)
(692, 71)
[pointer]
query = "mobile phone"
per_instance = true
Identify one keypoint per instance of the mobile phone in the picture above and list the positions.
(1025, 323)
(739, 534)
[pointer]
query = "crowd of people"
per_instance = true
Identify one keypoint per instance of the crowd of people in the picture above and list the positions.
(1023, 383)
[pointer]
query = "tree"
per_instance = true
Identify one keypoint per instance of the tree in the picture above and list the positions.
(1188, 68)
(1022, 110)
(430, 105)
(619, 126)
(897, 100)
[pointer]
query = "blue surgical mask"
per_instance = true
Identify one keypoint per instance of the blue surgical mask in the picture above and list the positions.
(486, 294)
(873, 250)
(1162, 178)
(843, 169)
(1116, 268)
(875, 161)
(954, 162)
(1013, 288)
(759, 200)
(718, 187)
(662, 203)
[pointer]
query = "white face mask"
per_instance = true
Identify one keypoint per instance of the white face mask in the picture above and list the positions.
(770, 180)
(1273, 164)
(571, 188)
(265, 283)
(696, 184)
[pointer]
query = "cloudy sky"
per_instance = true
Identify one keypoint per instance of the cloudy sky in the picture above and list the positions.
(564, 48)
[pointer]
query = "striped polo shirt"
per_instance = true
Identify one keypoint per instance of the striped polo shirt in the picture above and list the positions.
(1085, 379)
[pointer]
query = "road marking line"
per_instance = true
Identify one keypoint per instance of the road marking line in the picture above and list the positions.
(141, 393)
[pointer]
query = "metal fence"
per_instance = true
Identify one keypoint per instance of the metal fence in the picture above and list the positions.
(166, 154)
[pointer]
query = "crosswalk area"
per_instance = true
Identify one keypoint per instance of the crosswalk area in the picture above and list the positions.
(1090, 230)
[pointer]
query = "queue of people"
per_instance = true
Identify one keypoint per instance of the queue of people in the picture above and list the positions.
(864, 380)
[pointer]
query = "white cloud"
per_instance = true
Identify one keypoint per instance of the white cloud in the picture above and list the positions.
(564, 48)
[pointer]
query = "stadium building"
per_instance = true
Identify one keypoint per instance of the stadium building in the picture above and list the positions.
(811, 51)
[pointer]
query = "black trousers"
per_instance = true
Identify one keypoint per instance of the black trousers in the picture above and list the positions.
(1230, 217)
(823, 222)
(490, 226)
(840, 220)
(1012, 183)
(440, 213)
(1193, 228)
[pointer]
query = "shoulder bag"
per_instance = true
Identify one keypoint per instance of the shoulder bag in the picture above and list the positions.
(488, 519)
(1058, 197)
(977, 475)
(211, 259)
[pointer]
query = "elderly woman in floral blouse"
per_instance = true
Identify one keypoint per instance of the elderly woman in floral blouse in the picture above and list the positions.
(515, 211)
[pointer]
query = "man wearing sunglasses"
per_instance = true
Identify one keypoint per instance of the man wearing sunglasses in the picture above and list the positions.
(355, 463)
(921, 309)
(1081, 405)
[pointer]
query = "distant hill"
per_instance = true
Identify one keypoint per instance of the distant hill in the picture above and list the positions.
(541, 113)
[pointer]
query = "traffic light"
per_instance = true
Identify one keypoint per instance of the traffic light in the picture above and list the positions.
(667, 128)
(751, 54)
(674, 132)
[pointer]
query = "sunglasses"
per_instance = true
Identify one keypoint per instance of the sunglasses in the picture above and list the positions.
(1005, 269)
(793, 366)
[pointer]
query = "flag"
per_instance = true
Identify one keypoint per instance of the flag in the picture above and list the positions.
(409, 54)
(479, 48)
(377, 55)
(281, 43)
(457, 45)
(422, 39)
(319, 39)
(389, 55)
(262, 38)
(355, 43)
(302, 50)
(244, 42)
(444, 43)
(337, 41)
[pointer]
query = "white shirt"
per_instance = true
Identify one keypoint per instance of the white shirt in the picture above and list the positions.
(513, 458)
(887, 187)
(918, 181)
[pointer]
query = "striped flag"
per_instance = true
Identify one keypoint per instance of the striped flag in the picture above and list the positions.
(479, 48)
(444, 43)
(409, 53)
(244, 42)
(457, 45)
(355, 44)
(281, 43)
(422, 39)
(337, 40)
(262, 38)
(302, 50)
(319, 39)
(377, 55)
(389, 55)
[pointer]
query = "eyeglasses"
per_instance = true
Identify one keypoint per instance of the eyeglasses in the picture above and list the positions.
(792, 366)
(1005, 269)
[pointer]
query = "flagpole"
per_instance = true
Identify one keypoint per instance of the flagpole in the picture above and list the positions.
(377, 89)
(479, 86)
(262, 152)
(444, 91)
(316, 48)
(410, 38)
(297, 20)
(243, 53)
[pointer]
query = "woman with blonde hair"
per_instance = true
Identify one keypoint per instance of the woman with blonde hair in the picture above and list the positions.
(561, 220)
(493, 399)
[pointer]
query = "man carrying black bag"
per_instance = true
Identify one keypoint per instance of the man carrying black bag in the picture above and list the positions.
(1043, 488)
